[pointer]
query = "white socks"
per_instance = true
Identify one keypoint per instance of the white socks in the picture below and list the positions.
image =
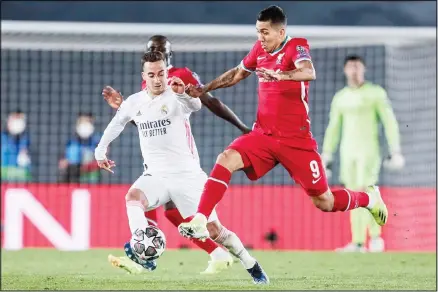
(136, 218)
(230, 240)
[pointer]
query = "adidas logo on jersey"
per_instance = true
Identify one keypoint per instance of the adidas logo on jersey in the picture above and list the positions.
(138, 114)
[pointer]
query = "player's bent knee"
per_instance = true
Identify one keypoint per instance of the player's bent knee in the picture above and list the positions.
(230, 159)
(324, 202)
(136, 195)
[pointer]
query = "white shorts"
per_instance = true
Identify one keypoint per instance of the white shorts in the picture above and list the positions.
(184, 190)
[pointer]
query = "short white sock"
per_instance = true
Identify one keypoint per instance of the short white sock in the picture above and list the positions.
(230, 240)
(219, 253)
(136, 218)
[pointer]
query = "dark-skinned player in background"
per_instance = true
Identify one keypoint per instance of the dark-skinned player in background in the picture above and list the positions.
(281, 134)
(114, 98)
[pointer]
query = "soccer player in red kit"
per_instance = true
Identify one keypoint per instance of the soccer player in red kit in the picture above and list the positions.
(281, 133)
(220, 259)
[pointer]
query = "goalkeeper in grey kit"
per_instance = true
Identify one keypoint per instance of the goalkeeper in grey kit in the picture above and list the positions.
(355, 113)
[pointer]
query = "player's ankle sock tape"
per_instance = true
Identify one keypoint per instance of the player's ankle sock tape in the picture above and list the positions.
(345, 200)
(214, 189)
(235, 246)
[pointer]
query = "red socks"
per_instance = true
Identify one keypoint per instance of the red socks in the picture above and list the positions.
(152, 217)
(347, 200)
(175, 217)
(214, 189)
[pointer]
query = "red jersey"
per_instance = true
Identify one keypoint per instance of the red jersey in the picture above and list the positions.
(283, 109)
(184, 74)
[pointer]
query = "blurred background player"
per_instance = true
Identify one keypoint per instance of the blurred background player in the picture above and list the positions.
(173, 170)
(355, 114)
(78, 164)
(15, 142)
(159, 43)
(281, 134)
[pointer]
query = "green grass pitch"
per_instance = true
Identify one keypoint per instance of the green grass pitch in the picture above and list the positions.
(46, 269)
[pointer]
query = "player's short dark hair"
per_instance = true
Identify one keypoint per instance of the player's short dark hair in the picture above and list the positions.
(274, 14)
(354, 58)
(159, 38)
(17, 111)
(154, 56)
(86, 114)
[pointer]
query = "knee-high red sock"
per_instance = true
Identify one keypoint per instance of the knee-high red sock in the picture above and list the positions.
(152, 216)
(214, 189)
(347, 200)
(175, 217)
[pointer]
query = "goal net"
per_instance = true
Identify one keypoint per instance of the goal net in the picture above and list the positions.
(53, 71)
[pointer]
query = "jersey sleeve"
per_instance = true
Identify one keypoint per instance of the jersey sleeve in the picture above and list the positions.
(188, 104)
(191, 77)
(123, 115)
(388, 119)
(249, 63)
(301, 50)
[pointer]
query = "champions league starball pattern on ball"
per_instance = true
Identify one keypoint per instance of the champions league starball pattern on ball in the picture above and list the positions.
(148, 244)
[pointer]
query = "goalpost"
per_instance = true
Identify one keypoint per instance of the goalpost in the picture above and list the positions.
(65, 65)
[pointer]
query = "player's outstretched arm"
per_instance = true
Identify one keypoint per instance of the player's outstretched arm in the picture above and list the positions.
(228, 79)
(114, 98)
(189, 103)
(304, 72)
(221, 110)
(112, 131)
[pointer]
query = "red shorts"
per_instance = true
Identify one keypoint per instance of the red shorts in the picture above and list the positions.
(261, 153)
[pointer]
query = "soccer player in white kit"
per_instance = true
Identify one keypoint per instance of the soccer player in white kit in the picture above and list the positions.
(171, 161)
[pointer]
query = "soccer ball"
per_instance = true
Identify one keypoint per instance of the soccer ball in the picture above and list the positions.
(149, 243)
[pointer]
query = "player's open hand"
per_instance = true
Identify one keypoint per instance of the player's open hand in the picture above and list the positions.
(268, 74)
(112, 97)
(194, 91)
(177, 85)
(106, 164)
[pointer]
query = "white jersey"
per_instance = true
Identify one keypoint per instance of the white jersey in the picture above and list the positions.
(166, 139)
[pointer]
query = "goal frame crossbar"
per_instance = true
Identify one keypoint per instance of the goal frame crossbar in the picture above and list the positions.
(97, 36)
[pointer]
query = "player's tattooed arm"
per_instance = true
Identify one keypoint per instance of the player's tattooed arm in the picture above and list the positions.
(304, 72)
(229, 78)
(223, 111)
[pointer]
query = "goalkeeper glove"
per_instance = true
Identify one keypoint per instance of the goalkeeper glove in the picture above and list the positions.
(394, 162)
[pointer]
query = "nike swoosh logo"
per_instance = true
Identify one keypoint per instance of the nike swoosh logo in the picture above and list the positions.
(259, 58)
(316, 180)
